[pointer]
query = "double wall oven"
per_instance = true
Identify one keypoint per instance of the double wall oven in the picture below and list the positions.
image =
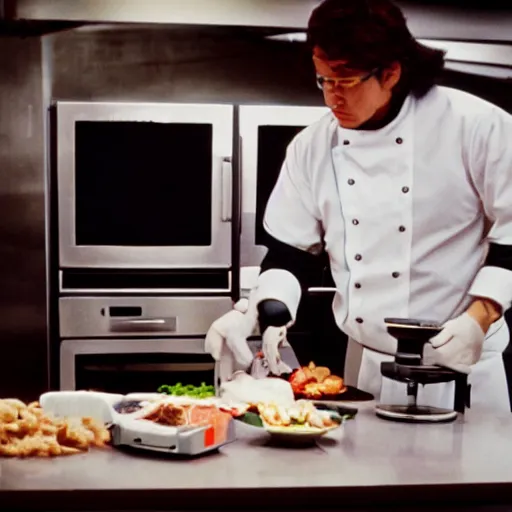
(144, 241)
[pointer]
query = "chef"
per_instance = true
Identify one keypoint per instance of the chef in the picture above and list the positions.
(407, 186)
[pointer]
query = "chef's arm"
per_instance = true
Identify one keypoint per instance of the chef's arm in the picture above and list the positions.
(288, 266)
(490, 156)
(485, 312)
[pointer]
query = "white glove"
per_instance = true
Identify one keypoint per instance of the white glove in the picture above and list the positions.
(459, 344)
(228, 335)
(233, 329)
(273, 338)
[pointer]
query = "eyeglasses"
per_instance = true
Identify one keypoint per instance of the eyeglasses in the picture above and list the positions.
(329, 84)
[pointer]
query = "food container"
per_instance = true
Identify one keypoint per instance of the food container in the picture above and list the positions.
(125, 414)
(187, 440)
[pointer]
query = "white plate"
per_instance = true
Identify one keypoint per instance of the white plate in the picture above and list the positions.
(299, 431)
(297, 434)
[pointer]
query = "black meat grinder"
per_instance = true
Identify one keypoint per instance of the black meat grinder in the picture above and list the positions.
(410, 368)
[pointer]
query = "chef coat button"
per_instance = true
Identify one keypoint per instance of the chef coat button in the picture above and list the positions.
(346, 142)
(357, 285)
(358, 257)
(359, 320)
(350, 181)
(405, 190)
(355, 222)
(399, 140)
(401, 229)
(396, 274)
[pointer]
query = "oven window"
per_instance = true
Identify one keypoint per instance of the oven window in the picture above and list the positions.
(143, 184)
(128, 373)
(272, 144)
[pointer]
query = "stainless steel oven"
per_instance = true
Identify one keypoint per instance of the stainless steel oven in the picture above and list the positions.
(144, 186)
(129, 365)
(265, 133)
(123, 344)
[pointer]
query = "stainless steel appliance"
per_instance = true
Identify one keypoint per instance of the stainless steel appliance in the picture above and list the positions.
(144, 203)
(122, 344)
(186, 441)
(144, 185)
(410, 368)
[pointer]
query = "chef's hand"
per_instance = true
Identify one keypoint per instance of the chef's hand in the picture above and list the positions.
(459, 344)
(233, 329)
(274, 301)
(273, 339)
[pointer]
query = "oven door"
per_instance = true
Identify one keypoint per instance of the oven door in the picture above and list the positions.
(132, 317)
(266, 132)
(144, 185)
(134, 365)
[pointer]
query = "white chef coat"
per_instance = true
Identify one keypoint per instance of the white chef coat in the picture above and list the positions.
(404, 212)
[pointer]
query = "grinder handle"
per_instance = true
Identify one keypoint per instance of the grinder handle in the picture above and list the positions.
(413, 322)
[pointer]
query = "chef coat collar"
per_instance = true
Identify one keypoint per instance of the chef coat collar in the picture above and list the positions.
(354, 134)
(396, 102)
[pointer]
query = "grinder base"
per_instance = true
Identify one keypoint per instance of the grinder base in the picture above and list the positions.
(415, 413)
(409, 368)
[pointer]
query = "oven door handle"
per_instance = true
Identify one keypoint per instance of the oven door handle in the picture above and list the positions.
(227, 190)
(144, 324)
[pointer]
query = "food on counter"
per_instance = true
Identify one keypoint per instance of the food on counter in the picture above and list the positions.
(316, 382)
(174, 415)
(202, 391)
(302, 414)
(166, 414)
(25, 430)
(237, 410)
(245, 389)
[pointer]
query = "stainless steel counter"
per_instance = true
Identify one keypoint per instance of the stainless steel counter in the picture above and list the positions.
(368, 461)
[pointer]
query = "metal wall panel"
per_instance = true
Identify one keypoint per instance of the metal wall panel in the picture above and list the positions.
(23, 312)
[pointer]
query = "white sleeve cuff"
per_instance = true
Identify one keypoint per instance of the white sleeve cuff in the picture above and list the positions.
(280, 285)
(493, 283)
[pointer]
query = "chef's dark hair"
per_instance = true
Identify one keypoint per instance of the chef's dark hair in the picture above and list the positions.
(373, 34)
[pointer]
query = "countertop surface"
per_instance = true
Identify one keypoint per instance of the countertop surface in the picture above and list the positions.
(367, 460)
